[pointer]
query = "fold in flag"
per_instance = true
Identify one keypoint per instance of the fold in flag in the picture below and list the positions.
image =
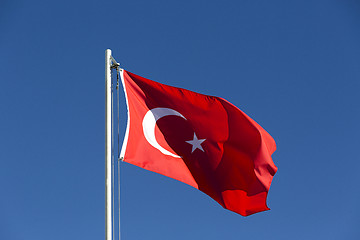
(201, 140)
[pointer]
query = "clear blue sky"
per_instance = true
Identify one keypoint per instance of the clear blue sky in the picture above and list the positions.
(293, 66)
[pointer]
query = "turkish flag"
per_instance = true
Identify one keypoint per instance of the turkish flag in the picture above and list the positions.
(200, 140)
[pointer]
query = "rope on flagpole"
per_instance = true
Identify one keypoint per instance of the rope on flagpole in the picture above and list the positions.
(112, 154)
(118, 132)
(116, 66)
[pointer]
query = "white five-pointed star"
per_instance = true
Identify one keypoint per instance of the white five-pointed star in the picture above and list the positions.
(196, 143)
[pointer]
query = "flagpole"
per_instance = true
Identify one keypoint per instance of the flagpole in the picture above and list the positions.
(108, 132)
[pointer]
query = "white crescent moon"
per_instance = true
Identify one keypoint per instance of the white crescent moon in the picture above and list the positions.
(149, 123)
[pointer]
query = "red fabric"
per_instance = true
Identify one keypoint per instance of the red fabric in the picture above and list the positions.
(233, 164)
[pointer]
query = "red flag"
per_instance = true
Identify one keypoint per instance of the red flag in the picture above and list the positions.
(200, 140)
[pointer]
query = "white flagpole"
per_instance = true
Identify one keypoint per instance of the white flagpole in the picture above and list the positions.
(108, 197)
